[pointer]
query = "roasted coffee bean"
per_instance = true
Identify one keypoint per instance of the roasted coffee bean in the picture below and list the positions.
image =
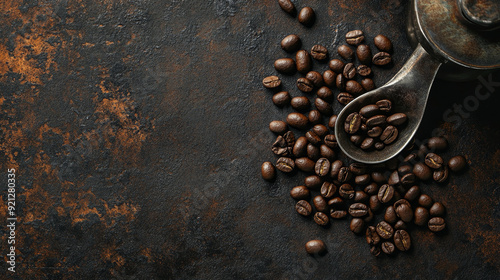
(421, 216)
(381, 59)
(441, 175)
(361, 196)
(384, 230)
(357, 225)
(389, 135)
(285, 164)
(422, 151)
(326, 152)
(297, 120)
(372, 189)
(368, 84)
(437, 209)
(364, 54)
(320, 203)
(340, 82)
(304, 85)
(400, 225)
(285, 66)
(345, 52)
(287, 6)
(394, 178)
(352, 123)
(321, 219)
(300, 192)
(305, 164)
(358, 209)
(390, 215)
(436, 224)
(303, 61)
(354, 37)
(331, 141)
(313, 152)
(411, 158)
(425, 201)
(291, 43)
(374, 203)
(326, 94)
(349, 71)
(328, 190)
(282, 98)
(374, 132)
(336, 65)
(388, 248)
(383, 43)
(402, 240)
(338, 214)
(289, 138)
(300, 147)
(404, 169)
(404, 212)
(322, 167)
(358, 168)
(320, 130)
(278, 127)
(364, 70)
(336, 202)
(397, 119)
(356, 140)
(307, 16)
(316, 78)
(315, 247)
(271, 82)
(413, 193)
(385, 193)
(384, 105)
(300, 103)
(324, 107)
(346, 191)
(457, 163)
(280, 147)
(335, 168)
(303, 208)
(313, 182)
(344, 175)
(313, 138)
(437, 143)
(408, 179)
(319, 52)
(422, 171)
(367, 143)
(314, 117)
(377, 120)
(353, 87)
(329, 78)
(268, 171)
(375, 251)
(378, 177)
(372, 237)
(433, 161)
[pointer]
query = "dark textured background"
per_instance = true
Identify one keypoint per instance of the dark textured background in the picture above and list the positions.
(137, 129)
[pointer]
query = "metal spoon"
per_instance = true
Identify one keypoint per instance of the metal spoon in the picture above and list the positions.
(408, 90)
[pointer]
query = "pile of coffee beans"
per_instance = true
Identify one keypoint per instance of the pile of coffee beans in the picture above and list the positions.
(374, 126)
(383, 201)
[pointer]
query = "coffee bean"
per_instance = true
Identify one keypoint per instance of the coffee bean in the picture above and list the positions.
(304, 85)
(322, 167)
(352, 123)
(285, 66)
(361, 196)
(328, 190)
(357, 225)
(385, 193)
(300, 103)
(344, 175)
(374, 203)
(271, 82)
(313, 182)
(404, 169)
(364, 54)
(374, 132)
(324, 107)
(421, 216)
(289, 138)
(278, 127)
(285, 164)
(280, 147)
(437, 209)
(300, 192)
(397, 119)
(303, 208)
(315, 77)
(372, 189)
(297, 120)
(327, 152)
(364, 70)
(291, 43)
(303, 61)
(336, 65)
(320, 203)
(358, 168)
(321, 218)
(389, 135)
(307, 16)
(287, 6)
(425, 201)
(381, 59)
(281, 98)
(437, 143)
(313, 152)
(346, 191)
(329, 78)
(422, 171)
(378, 177)
(315, 247)
(368, 84)
(336, 202)
(411, 158)
(377, 120)
(354, 37)
(358, 209)
(320, 130)
(353, 87)
(331, 141)
(388, 248)
(319, 52)
(384, 230)
(314, 117)
(299, 148)
(384, 105)
(433, 161)
(413, 193)
(349, 71)
(394, 178)
(338, 214)
(335, 168)
(402, 240)
(375, 251)
(457, 163)
(436, 224)
(408, 179)
(441, 175)
(390, 215)
(372, 237)
(367, 143)
(383, 43)
(340, 82)
(268, 171)
(404, 212)
(326, 94)
(345, 52)
(305, 164)
(356, 140)
(400, 225)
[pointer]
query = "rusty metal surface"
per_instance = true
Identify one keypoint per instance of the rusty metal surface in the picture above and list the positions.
(137, 130)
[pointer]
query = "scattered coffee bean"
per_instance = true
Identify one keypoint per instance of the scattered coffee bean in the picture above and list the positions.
(307, 16)
(303, 61)
(321, 218)
(368, 84)
(385, 193)
(404, 212)
(319, 52)
(375, 251)
(297, 120)
(325, 93)
(304, 85)
(425, 201)
(421, 216)
(346, 191)
(433, 161)
(437, 209)
(360, 196)
(268, 171)
(300, 103)
(329, 78)
(384, 105)
(389, 135)
(397, 119)
(271, 82)
(314, 117)
(372, 237)
(422, 171)
(320, 203)
(384, 230)
(320, 129)
(313, 152)
(354, 37)
(313, 182)
(300, 192)
(402, 240)
(356, 140)
(383, 43)
(381, 59)
(390, 215)
(345, 52)
(354, 87)
(388, 248)
(364, 70)
(377, 120)
(336, 65)
(349, 71)
(285, 164)
(358, 210)
(315, 247)
(322, 167)
(305, 164)
(303, 208)
(364, 54)
(328, 190)
(436, 224)
(282, 98)
(441, 175)
(285, 66)
(291, 43)
(327, 152)
(437, 144)
(344, 175)
(344, 98)
(457, 163)
(357, 225)
(352, 123)
(300, 146)
(324, 107)
(331, 141)
(278, 127)
(316, 78)
(340, 82)
(287, 6)
(338, 214)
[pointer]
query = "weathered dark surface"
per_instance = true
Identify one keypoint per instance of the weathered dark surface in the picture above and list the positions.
(137, 130)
